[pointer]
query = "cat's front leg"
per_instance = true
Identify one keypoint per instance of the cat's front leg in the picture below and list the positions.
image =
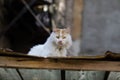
(63, 55)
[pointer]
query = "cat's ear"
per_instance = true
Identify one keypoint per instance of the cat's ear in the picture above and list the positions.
(55, 29)
(68, 29)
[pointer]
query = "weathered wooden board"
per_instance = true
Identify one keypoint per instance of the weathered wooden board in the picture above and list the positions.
(9, 74)
(40, 74)
(114, 76)
(76, 25)
(109, 62)
(84, 75)
(77, 19)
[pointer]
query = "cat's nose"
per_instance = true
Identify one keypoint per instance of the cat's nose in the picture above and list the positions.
(60, 42)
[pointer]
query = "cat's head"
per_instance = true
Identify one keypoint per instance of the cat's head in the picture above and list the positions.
(62, 37)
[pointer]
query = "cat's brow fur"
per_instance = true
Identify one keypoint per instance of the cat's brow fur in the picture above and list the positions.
(61, 32)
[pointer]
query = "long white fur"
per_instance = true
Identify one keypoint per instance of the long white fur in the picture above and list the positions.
(50, 48)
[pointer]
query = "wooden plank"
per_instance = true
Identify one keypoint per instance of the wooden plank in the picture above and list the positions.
(40, 74)
(9, 74)
(10, 60)
(77, 19)
(114, 76)
(76, 25)
(84, 75)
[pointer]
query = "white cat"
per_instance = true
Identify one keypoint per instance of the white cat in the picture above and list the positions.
(55, 46)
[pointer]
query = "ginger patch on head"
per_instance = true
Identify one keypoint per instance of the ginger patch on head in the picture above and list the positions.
(61, 33)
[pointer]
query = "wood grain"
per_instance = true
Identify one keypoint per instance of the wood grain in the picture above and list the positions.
(77, 19)
(12, 60)
(9, 74)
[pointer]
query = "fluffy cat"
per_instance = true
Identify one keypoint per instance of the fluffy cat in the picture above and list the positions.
(56, 45)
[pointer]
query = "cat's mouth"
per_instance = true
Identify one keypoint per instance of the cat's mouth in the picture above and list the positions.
(60, 43)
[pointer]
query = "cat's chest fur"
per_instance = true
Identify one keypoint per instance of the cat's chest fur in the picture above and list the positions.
(56, 51)
(48, 50)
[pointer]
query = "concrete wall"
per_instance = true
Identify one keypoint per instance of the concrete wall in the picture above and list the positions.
(101, 26)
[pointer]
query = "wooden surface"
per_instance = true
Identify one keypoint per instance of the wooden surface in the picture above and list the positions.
(40, 74)
(114, 76)
(9, 74)
(108, 62)
(99, 64)
(84, 75)
(77, 19)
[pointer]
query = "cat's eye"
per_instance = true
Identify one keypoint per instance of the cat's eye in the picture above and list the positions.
(58, 37)
(64, 37)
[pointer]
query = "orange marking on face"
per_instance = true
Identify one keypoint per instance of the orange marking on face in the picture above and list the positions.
(61, 33)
